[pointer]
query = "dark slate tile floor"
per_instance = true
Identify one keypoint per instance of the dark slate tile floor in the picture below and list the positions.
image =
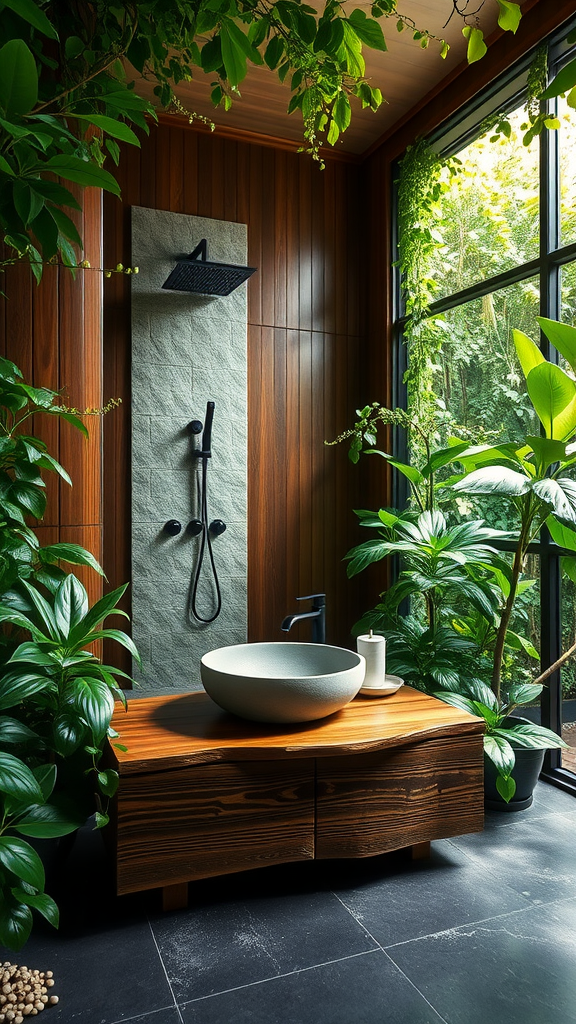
(482, 933)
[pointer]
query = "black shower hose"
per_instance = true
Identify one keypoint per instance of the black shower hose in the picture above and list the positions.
(205, 542)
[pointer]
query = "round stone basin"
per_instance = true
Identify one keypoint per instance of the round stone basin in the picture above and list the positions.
(282, 682)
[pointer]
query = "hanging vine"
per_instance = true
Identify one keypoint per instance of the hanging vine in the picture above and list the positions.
(420, 187)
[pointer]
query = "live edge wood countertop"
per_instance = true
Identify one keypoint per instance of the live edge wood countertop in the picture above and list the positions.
(171, 732)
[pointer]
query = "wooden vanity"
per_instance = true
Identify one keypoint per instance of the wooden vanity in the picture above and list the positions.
(204, 793)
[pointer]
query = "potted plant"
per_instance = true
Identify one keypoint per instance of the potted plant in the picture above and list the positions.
(532, 475)
(60, 698)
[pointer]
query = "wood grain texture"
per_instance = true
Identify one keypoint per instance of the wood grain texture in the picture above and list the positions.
(304, 354)
(174, 826)
(372, 803)
(166, 732)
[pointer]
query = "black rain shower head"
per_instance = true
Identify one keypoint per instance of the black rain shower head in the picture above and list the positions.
(194, 273)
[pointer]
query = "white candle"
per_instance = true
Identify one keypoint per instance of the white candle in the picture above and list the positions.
(373, 648)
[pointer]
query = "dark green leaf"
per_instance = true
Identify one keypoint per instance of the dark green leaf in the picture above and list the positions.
(117, 129)
(66, 226)
(45, 774)
(95, 702)
(15, 923)
(19, 858)
(13, 731)
(18, 78)
(83, 172)
(274, 52)
(17, 780)
(98, 613)
(70, 604)
(368, 30)
(41, 902)
(47, 821)
(29, 497)
(30, 12)
(17, 686)
(233, 54)
(73, 553)
(108, 781)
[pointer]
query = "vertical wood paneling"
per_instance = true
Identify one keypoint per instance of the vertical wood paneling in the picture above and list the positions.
(300, 378)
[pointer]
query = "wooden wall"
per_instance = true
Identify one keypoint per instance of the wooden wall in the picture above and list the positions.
(53, 334)
(307, 369)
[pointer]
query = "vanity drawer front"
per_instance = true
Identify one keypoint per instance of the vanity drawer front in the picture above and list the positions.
(372, 803)
(204, 820)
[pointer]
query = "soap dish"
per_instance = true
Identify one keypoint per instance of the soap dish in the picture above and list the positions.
(390, 685)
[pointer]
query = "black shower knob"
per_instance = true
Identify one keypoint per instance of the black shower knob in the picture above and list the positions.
(194, 527)
(217, 526)
(172, 527)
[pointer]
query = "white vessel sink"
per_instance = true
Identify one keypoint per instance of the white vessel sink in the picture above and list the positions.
(282, 682)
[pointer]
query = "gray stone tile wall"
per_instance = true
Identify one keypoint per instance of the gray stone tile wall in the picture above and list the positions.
(186, 350)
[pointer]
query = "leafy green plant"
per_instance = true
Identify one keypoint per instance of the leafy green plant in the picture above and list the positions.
(22, 488)
(67, 96)
(504, 734)
(61, 700)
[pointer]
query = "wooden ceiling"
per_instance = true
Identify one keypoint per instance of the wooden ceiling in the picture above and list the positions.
(405, 74)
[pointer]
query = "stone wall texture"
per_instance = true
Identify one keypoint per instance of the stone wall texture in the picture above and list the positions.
(186, 350)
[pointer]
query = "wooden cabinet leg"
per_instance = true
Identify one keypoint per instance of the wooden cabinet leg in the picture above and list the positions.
(420, 851)
(175, 897)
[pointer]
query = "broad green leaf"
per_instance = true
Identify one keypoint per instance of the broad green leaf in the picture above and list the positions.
(366, 553)
(19, 858)
(341, 112)
(13, 731)
(510, 15)
(96, 704)
(73, 553)
(562, 336)
(560, 494)
(70, 604)
(457, 700)
(45, 774)
(564, 81)
(83, 172)
(274, 52)
(34, 15)
(120, 637)
(524, 693)
(17, 780)
(561, 534)
(233, 54)
(476, 45)
(493, 480)
(47, 821)
(506, 787)
(30, 497)
(68, 732)
(101, 819)
(535, 736)
(568, 567)
(367, 29)
(17, 686)
(355, 64)
(66, 226)
(41, 902)
(528, 353)
(97, 614)
(108, 781)
(45, 611)
(553, 395)
(18, 78)
(15, 923)
(117, 129)
(546, 451)
(500, 752)
(520, 643)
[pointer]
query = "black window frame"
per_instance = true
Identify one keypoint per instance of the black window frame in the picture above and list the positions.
(451, 136)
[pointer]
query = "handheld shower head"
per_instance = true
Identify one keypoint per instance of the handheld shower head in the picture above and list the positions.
(207, 433)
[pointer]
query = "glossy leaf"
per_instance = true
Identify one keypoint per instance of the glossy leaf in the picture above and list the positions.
(18, 78)
(15, 923)
(18, 685)
(560, 493)
(13, 731)
(500, 752)
(70, 604)
(367, 29)
(17, 780)
(93, 699)
(476, 45)
(108, 781)
(73, 553)
(98, 613)
(47, 821)
(117, 129)
(562, 336)
(553, 395)
(528, 353)
(41, 902)
(19, 858)
(494, 480)
(83, 172)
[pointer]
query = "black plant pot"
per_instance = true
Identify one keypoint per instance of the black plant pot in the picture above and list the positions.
(525, 774)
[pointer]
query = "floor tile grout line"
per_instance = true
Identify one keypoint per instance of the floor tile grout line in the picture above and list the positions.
(393, 962)
(147, 1013)
(276, 977)
(475, 924)
(165, 971)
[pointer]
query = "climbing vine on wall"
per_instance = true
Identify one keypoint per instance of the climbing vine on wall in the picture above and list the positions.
(420, 187)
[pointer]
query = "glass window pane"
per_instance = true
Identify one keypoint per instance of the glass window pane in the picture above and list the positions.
(567, 144)
(568, 279)
(568, 674)
(479, 380)
(488, 217)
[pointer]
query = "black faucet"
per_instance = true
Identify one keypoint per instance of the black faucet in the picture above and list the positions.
(318, 616)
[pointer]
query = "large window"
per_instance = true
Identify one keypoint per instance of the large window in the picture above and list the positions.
(506, 233)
